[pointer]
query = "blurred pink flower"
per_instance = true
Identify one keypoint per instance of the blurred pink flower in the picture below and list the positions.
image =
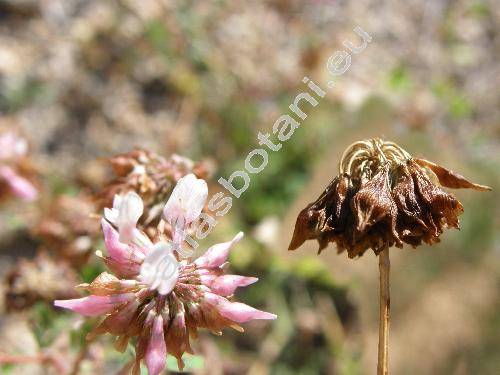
(12, 149)
(18, 185)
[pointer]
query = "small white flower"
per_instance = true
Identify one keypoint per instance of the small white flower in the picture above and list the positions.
(160, 269)
(185, 204)
(125, 214)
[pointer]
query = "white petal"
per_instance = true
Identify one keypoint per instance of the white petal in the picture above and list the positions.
(160, 269)
(152, 260)
(141, 239)
(125, 214)
(117, 201)
(131, 208)
(166, 286)
(162, 247)
(186, 201)
(111, 215)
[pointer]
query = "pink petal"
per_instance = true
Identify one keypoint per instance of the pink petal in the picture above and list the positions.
(207, 279)
(125, 270)
(216, 255)
(236, 311)
(156, 353)
(241, 313)
(20, 186)
(127, 231)
(118, 251)
(95, 305)
(226, 285)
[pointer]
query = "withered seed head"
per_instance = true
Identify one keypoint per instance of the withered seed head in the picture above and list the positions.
(382, 197)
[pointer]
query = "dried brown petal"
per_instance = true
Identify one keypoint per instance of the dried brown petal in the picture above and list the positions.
(122, 165)
(338, 208)
(325, 217)
(405, 197)
(121, 344)
(444, 207)
(450, 179)
(140, 349)
(306, 228)
(177, 337)
(373, 204)
(413, 221)
(312, 218)
(118, 323)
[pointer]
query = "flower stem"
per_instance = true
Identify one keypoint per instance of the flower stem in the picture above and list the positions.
(385, 303)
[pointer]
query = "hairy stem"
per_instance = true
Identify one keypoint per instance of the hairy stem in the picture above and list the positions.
(385, 303)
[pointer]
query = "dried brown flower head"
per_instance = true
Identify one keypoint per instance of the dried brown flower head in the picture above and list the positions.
(68, 229)
(40, 279)
(382, 197)
(151, 176)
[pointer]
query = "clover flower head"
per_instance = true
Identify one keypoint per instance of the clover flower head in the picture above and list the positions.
(382, 197)
(154, 296)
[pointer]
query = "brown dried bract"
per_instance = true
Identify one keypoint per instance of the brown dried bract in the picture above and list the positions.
(450, 179)
(381, 198)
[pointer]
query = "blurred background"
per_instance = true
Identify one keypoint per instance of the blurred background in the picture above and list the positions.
(85, 80)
